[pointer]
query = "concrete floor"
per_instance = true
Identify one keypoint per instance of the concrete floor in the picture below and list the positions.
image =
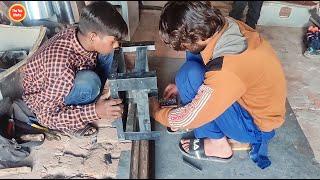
(303, 80)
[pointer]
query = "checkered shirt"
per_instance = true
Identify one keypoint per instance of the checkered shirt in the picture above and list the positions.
(48, 78)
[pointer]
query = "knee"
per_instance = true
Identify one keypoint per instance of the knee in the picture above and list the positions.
(188, 80)
(88, 80)
(190, 71)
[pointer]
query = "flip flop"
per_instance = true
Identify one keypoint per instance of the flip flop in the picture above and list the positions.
(169, 131)
(196, 151)
(87, 131)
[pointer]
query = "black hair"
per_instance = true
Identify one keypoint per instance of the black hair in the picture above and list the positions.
(102, 18)
(188, 22)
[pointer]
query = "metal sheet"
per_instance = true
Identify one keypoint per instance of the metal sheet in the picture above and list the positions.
(133, 84)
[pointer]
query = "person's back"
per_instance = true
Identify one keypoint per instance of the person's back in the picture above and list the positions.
(258, 67)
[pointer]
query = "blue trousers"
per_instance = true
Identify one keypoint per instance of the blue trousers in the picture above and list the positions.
(235, 122)
(87, 84)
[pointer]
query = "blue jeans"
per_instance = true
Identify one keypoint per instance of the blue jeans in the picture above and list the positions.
(235, 122)
(87, 84)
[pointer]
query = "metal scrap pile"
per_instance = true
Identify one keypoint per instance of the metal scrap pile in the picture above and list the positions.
(10, 58)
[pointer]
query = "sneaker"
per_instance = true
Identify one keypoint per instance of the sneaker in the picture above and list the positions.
(312, 54)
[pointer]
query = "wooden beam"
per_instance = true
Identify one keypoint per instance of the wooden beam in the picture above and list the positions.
(144, 160)
(140, 154)
(134, 164)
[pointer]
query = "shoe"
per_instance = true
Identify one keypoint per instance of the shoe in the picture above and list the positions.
(196, 151)
(87, 131)
(312, 54)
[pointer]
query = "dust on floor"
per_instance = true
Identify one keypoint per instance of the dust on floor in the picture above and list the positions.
(75, 158)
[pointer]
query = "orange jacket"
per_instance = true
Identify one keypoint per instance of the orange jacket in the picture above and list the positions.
(254, 78)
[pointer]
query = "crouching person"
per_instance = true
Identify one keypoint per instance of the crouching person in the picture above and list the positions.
(242, 94)
(61, 84)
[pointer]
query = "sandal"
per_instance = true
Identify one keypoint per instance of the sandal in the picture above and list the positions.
(87, 131)
(196, 151)
(182, 131)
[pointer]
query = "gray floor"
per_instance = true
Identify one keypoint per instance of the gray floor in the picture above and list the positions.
(289, 150)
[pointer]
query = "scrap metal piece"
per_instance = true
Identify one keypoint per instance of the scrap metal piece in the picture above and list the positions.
(108, 158)
(191, 164)
(32, 137)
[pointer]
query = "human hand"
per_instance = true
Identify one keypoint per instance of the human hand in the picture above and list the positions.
(109, 108)
(170, 92)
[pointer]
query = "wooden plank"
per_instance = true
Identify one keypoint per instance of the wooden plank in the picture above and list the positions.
(140, 157)
(13, 171)
(144, 160)
(134, 164)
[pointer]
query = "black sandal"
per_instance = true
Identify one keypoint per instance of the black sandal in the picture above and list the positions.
(196, 151)
(87, 131)
(169, 131)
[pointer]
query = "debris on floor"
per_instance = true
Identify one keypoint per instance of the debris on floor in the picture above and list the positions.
(74, 158)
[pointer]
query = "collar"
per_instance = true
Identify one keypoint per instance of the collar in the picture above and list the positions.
(206, 54)
(78, 48)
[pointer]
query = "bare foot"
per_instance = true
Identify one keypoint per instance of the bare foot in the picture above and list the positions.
(212, 147)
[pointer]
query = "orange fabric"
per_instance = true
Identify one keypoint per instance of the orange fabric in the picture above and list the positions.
(254, 78)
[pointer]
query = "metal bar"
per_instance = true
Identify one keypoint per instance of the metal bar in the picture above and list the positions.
(114, 66)
(118, 122)
(124, 169)
(134, 49)
(141, 63)
(143, 113)
(133, 84)
(119, 125)
(127, 46)
(137, 43)
(132, 109)
(136, 136)
(121, 62)
(136, 75)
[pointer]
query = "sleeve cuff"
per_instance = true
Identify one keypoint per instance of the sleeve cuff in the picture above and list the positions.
(162, 116)
(89, 114)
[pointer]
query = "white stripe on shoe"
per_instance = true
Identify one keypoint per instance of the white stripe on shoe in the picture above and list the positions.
(1, 97)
